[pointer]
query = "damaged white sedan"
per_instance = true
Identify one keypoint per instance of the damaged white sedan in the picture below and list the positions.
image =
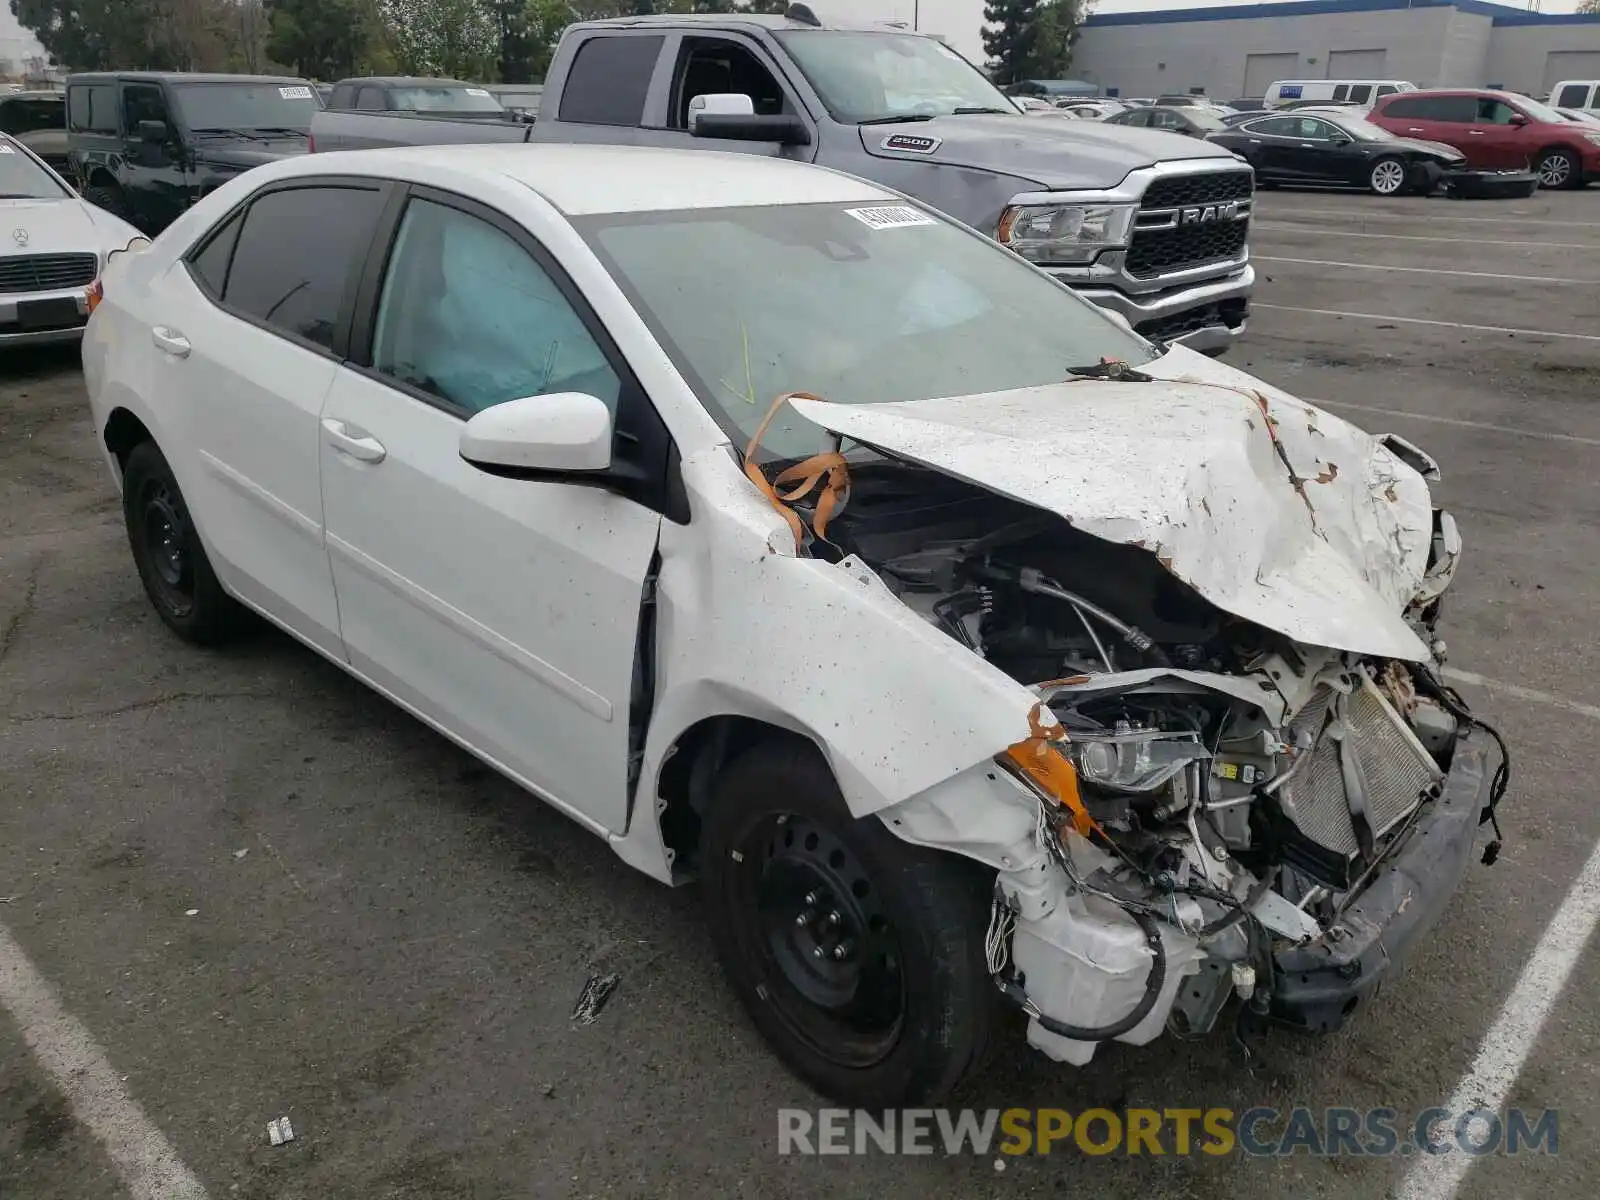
(970, 651)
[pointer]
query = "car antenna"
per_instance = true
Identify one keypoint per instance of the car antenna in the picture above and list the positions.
(803, 14)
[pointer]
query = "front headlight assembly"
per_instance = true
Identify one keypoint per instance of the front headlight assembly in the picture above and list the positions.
(1064, 233)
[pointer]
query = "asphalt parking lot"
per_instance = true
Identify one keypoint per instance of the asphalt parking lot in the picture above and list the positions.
(262, 891)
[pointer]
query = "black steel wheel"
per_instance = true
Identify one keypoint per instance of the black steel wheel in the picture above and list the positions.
(859, 956)
(172, 563)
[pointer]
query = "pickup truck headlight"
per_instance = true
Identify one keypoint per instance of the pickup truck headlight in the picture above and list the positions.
(1064, 233)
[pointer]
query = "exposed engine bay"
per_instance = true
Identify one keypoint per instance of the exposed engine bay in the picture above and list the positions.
(1232, 791)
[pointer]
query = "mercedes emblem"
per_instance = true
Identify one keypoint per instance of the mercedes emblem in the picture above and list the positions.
(19, 236)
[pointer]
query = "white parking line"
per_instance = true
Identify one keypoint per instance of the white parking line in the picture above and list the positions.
(1513, 218)
(146, 1162)
(1339, 312)
(1515, 1032)
(1462, 423)
(1318, 231)
(1523, 693)
(1322, 262)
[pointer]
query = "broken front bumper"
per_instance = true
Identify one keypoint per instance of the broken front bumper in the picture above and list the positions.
(1319, 985)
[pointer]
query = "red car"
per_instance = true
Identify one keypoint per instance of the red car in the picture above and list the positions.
(1497, 131)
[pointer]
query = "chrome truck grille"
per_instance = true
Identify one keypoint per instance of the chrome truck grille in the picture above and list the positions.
(1191, 221)
(1364, 752)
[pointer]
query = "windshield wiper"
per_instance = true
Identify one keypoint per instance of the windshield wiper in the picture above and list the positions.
(1111, 368)
(899, 117)
(973, 110)
(281, 129)
(218, 131)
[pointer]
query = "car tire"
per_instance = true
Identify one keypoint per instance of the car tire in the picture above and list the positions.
(172, 563)
(107, 196)
(1559, 169)
(1388, 177)
(907, 1009)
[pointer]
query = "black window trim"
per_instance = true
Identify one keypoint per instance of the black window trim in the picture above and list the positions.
(1253, 126)
(671, 64)
(342, 322)
(654, 482)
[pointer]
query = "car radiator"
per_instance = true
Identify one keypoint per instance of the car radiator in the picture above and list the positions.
(1364, 758)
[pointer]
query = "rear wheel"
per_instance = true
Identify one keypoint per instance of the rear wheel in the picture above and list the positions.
(1559, 169)
(858, 956)
(172, 563)
(1387, 177)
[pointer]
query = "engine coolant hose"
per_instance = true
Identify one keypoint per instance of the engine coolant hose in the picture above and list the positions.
(1154, 982)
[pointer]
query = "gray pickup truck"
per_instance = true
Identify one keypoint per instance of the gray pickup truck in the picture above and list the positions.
(399, 110)
(1149, 225)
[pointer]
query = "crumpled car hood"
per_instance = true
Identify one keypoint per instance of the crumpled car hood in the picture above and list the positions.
(1270, 508)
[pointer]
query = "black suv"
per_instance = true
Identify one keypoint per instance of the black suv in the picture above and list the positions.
(147, 145)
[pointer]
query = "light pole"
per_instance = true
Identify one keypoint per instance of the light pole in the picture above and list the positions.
(916, 15)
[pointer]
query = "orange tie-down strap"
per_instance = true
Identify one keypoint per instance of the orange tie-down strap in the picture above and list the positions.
(828, 470)
(1052, 771)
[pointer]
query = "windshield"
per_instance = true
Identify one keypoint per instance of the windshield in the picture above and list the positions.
(877, 303)
(269, 106)
(21, 178)
(1539, 112)
(865, 76)
(1205, 118)
(1361, 129)
(444, 100)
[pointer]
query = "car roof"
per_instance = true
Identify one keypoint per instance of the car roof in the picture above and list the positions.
(177, 77)
(406, 81)
(584, 180)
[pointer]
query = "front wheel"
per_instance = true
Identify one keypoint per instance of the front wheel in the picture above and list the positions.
(108, 197)
(859, 957)
(1560, 169)
(1387, 177)
(172, 563)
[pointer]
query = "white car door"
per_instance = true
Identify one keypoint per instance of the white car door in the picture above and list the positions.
(505, 610)
(246, 346)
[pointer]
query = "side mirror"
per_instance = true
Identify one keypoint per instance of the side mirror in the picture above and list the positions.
(731, 116)
(1339, 140)
(1518, 119)
(152, 133)
(562, 433)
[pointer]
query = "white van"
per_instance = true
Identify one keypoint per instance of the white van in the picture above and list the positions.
(1583, 94)
(1334, 91)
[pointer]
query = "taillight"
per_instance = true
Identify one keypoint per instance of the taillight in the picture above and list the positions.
(311, 144)
(92, 295)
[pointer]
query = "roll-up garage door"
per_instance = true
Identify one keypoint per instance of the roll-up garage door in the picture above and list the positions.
(1355, 64)
(1570, 64)
(1261, 71)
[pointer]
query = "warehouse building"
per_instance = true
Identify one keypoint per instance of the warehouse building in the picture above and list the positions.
(1238, 51)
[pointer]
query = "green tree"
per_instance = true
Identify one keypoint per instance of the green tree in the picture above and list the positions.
(90, 35)
(1591, 7)
(1058, 27)
(457, 38)
(1010, 35)
(320, 39)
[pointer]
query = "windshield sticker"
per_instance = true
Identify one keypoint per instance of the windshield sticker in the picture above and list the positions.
(910, 143)
(295, 93)
(477, 91)
(891, 216)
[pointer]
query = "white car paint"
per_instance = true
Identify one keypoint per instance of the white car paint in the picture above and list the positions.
(505, 613)
(49, 224)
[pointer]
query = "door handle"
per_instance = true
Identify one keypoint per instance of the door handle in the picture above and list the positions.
(1475, 132)
(170, 341)
(361, 446)
(1416, 129)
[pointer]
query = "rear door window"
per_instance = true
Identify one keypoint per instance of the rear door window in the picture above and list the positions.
(30, 116)
(1342, 92)
(1574, 95)
(92, 108)
(1385, 89)
(296, 256)
(1272, 127)
(609, 80)
(1361, 93)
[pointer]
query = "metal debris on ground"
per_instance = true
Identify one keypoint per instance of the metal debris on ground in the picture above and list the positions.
(596, 991)
(280, 1131)
(191, 912)
(8, 899)
(241, 853)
